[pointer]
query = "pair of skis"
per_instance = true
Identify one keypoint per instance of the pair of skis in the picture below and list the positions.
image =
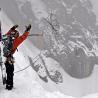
(2, 65)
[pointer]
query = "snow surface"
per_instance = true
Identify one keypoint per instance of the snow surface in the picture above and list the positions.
(26, 87)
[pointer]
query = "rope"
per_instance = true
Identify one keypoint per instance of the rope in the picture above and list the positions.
(28, 65)
(22, 69)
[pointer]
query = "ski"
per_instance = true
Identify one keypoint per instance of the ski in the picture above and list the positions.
(3, 69)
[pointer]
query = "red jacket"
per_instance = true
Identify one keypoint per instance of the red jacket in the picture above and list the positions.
(18, 40)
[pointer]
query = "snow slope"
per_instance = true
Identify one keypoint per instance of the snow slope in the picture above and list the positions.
(25, 86)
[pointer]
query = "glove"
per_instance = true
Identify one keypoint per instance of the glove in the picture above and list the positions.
(28, 28)
(14, 27)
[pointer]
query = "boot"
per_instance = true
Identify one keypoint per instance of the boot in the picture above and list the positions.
(9, 87)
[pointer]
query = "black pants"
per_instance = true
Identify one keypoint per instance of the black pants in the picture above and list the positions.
(10, 74)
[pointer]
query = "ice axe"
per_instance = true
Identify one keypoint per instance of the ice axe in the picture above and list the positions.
(36, 34)
(28, 29)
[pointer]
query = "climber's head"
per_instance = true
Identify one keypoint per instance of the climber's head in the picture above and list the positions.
(15, 34)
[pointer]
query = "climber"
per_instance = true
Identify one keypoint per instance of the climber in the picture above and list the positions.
(16, 41)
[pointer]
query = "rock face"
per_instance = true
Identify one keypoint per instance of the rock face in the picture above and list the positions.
(46, 72)
(75, 46)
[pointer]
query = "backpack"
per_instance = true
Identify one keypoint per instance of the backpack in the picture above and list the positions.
(7, 45)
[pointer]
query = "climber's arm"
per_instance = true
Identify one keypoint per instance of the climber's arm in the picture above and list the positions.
(12, 29)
